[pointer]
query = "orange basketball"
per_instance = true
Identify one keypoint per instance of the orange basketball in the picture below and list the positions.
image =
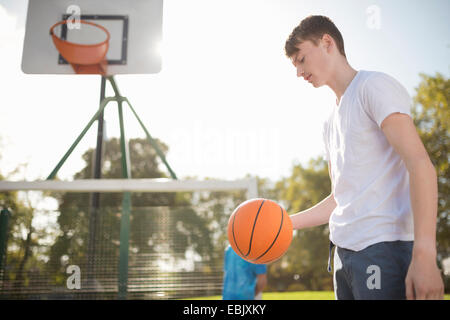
(260, 230)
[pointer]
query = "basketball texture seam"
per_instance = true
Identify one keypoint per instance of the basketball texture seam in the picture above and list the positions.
(253, 229)
(251, 236)
(274, 240)
(234, 237)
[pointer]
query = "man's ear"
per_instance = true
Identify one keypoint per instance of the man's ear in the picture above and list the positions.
(327, 41)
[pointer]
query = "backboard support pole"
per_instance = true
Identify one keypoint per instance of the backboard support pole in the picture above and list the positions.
(126, 173)
(149, 137)
(4, 221)
(126, 208)
(95, 197)
(78, 139)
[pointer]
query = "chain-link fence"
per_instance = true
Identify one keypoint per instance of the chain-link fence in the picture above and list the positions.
(173, 252)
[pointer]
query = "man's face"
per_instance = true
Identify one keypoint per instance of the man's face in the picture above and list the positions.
(312, 62)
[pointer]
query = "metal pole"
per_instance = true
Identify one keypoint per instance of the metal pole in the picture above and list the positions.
(95, 197)
(126, 202)
(99, 148)
(126, 209)
(152, 141)
(4, 219)
(124, 242)
(149, 137)
(78, 139)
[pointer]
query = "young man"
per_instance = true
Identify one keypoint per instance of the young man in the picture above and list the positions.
(383, 205)
(242, 280)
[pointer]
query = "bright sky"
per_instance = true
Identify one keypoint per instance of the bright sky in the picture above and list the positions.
(227, 101)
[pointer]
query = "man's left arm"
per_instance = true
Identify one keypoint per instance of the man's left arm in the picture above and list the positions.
(423, 280)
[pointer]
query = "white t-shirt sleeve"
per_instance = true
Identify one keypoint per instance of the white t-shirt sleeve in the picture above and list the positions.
(384, 95)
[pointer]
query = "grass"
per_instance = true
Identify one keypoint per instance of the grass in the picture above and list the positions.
(295, 295)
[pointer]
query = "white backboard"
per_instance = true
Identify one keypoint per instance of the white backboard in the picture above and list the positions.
(135, 27)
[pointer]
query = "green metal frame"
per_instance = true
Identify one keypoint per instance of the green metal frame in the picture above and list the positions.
(4, 220)
(126, 173)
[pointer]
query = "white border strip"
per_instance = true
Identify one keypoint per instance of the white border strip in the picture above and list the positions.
(136, 185)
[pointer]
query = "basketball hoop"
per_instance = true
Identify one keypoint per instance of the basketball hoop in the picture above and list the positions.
(84, 58)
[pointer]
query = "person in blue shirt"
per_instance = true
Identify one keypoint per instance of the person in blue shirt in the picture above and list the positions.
(242, 280)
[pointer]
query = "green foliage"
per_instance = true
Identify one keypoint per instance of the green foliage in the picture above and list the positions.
(215, 208)
(8, 200)
(23, 240)
(150, 211)
(432, 117)
(294, 295)
(304, 265)
(291, 295)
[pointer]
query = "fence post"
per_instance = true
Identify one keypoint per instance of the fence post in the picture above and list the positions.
(4, 220)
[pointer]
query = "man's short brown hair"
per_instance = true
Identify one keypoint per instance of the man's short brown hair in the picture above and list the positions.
(313, 28)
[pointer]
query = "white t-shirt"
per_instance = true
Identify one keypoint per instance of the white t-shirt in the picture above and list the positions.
(370, 182)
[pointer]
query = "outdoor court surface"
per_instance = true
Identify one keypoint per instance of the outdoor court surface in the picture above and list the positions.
(294, 295)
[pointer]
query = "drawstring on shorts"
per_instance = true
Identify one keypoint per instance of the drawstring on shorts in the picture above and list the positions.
(329, 256)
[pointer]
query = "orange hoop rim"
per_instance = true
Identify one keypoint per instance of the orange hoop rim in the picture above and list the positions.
(80, 44)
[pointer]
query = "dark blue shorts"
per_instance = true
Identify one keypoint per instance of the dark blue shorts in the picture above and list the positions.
(376, 272)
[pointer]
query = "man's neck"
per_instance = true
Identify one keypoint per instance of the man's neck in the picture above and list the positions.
(341, 79)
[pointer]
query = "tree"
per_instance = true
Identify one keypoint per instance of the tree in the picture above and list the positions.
(304, 264)
(163, 226)
(431, 115)
(24, 240)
